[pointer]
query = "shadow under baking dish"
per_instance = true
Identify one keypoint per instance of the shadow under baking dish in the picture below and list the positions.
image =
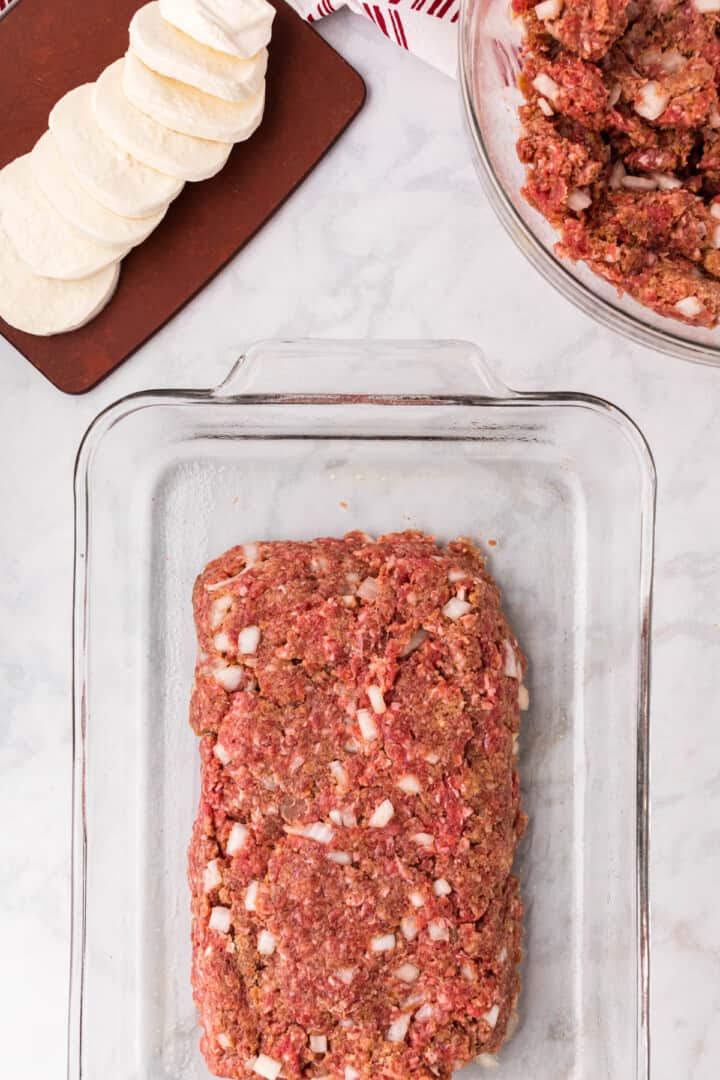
(317, 438)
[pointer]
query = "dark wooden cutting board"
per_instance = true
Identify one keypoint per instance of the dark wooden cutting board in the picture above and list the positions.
(312, 95)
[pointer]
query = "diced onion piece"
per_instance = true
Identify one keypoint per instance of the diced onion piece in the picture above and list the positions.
(456, 608)
(706, 6)
(415, 642)
(220, 919)
(316, 830)
(381, 815)
(716, 236)
(651, 101)
(457, 575)
(432, 758)
(266, 943)
(715, 210)
(438, 930)
(689, 306)
(345, 975)
(351, 1074)
(223, 583)
(442, 887)
(398, 1029)
(336, 817)
(579, 200)
(666, 182)
(409, 927)
(340, 857)
(617, 176)
(409, 784)
(221, 753)
(416, 898)
(248, 640)
(426, 1012)
(267, 1067)
(512, 668)
(377, 700)
(219, 609)
(382, 943)
(252, 554)
(545, 107)
(369, 589)
(229, 677)
(318, 1044)
(614, 95)
(523, 697)
(502, 956)
(238, 838)
(491, 1016)
(548, 9)
(671, 60)
(367, 725)
(468, 972)
(546, 86)
(425, 839)
(212, 877)
(339, 773)
(638, 183)
(348, 819)
(251, 896)
(223, 1041)
(222, 642)
(407, 973)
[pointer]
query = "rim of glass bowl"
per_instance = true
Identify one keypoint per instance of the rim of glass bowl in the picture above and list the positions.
(547, 264)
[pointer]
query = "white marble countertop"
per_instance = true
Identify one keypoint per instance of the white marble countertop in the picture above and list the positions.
(389, 237)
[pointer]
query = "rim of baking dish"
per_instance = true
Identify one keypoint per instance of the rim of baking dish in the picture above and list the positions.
(230, 392)
(548, 265)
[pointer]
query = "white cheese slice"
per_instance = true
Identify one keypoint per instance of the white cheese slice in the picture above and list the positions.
(170, 52)
(190, 111)
(237, 27)
(154, 144)
(73, 202)
(42, 305)
(116, 179)
(42, 237)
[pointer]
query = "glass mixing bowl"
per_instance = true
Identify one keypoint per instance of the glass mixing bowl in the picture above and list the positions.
(489, 67)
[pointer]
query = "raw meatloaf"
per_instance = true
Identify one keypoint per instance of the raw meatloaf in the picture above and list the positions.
(354, 911)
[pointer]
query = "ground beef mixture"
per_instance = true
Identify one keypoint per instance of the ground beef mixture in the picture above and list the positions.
(621, 138)
(354, 911)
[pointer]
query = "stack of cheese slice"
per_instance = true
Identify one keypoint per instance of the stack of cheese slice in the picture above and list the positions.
(118, 151)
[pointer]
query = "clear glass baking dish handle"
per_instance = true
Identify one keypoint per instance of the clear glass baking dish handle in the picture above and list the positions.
(397, 369)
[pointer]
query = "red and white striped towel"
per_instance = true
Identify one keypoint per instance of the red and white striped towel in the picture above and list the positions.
(427, 28)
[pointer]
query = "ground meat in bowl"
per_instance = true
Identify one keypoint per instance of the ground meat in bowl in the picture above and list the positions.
(355, 916)
(621, 139)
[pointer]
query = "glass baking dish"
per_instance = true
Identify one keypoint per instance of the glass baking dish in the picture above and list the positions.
(313, 438)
